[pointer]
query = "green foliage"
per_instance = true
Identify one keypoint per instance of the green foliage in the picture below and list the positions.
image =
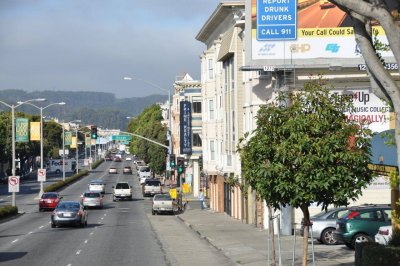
(97, 163)
(395, 240)
(60, 184)
(148, 124)
(8, 211)
(372, 254)
(394, 179)
(299, 153)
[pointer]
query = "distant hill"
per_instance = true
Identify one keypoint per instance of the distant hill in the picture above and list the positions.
(98, 108)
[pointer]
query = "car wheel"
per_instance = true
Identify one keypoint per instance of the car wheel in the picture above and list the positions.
(53, 225)
(153, 212)
(327, 237)
(349, 245)
(40, 209)
(360, 238)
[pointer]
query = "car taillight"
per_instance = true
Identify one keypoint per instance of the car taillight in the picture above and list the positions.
(384, 232)
(352, 215)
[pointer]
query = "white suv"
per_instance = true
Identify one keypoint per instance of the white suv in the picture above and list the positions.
(122, 190)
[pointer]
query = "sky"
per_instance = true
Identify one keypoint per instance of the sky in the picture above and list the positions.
(90, 45)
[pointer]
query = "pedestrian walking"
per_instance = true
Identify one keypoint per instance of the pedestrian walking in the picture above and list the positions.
(201, 197)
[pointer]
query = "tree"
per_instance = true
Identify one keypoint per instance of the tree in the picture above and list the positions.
(300, 152)
(148, 124)
(386, 12)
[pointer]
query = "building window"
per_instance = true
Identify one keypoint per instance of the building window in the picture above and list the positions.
(233, 126)
(229, 74)
(196, 107)
(212, 150)
(229, 160)
(210, 68)
(211, 108)
(197, 140)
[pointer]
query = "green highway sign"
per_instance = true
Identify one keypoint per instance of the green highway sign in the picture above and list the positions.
(122, 137)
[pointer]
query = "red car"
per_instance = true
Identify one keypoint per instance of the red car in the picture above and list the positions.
(49, 201)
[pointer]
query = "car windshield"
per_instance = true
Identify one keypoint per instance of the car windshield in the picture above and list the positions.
(127, 167)
(68, 205)
(162, 197)
(92, 195)
(122, 186)
(49, 196)
(145, 169)
(153, 183)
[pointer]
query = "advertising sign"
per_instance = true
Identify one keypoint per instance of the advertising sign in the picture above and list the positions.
(369, 109)
(88, 141)
(35, 131)
(73, 142)
(68, 138)
(324, 33)
(185, 127)
(13, 184)
(21, 130)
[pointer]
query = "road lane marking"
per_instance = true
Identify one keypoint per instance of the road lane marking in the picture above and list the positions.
(86, 241)
(15, 240)
(69, 264)
(78, 252)
(8, 196)
(102, 218)
(41, 227)
(30, 233)
(91, 233)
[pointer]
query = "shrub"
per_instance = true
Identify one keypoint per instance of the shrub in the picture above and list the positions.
(395, 240)
(7, 211)
(372, 254)
(97, 163)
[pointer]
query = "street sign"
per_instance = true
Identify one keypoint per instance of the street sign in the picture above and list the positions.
(276, 20)
(13, 184)
(122, 137)
(41, 175)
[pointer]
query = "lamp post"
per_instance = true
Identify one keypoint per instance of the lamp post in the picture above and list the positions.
(12, 106)
(41, 136)
(169, 107)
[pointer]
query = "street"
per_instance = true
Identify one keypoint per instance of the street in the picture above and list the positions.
(123, 233)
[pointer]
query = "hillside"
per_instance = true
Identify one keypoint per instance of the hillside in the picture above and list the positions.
(98, 108)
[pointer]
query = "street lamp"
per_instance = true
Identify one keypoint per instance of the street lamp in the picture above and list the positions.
(41, 137)
(63, 139)
(169, 107)
(12, 106)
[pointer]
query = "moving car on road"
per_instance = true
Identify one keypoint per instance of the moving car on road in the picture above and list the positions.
(323, 225)
(361, 223)
(163, 203)
(69, 213)
(92, 199)
(49, 201)
(97, 186)
(122, 190)
(112, 170)
(127, 170)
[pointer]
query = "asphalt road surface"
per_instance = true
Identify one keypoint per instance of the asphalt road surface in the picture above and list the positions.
(122, 233)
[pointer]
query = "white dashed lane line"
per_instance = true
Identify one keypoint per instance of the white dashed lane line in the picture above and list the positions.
(78, 252)
(86, 241)
(14, 240)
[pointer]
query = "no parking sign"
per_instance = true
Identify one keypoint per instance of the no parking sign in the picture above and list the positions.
(13, 184)
(41, 174)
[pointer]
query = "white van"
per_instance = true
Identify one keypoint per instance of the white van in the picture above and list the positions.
(144, 173)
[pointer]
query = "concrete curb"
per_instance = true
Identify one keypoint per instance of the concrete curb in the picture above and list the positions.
(4, 220)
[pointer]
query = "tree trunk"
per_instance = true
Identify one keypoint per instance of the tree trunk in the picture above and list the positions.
(307, 223)
(271, 234)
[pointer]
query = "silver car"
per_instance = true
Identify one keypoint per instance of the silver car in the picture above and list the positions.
(323, 225)
(97, 186)
(92, 199)
(69, 213)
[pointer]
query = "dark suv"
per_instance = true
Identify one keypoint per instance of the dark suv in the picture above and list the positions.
(361, 223)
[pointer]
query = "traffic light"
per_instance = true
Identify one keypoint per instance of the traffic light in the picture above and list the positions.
(93, 132)
(172, 160)
(181, 165)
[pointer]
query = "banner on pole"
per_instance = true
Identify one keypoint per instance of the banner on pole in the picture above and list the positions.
(21, 130)
(88, 141)
(68, 138)
(35, 131)
(73, 144)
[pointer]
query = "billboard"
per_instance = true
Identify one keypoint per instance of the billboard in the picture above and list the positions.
(324, 34)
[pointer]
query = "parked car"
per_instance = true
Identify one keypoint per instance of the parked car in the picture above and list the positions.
(127, 170)
(144, 172)
(49, 201)
(151, 187)
(117, 159)
(361, 223)
(139, 163)
(384, 235)
(112, 170)
(69, 213)
(97, 186)
(323, 225)
(122, 190)
(128, 159)
(92, 199)
(163, 203)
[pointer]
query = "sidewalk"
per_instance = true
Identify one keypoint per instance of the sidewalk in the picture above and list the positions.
(245, 244)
